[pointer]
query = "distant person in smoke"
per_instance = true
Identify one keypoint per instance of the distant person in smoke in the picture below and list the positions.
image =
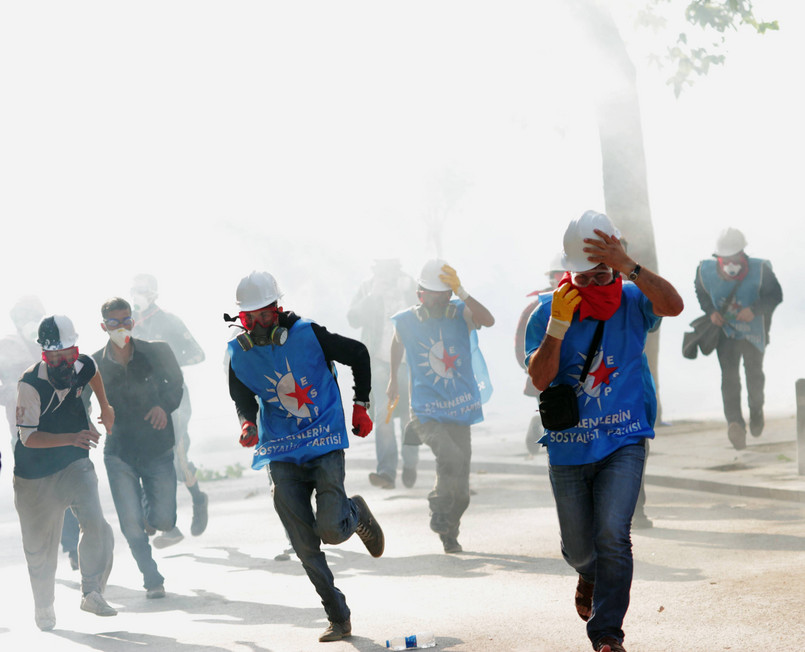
(554, 274)
(144, 385)
(151, 322)
(739, 294)
(282, 380)
(16, 352)
(386, 292)
(437, 337)
(596, 466)
(53, 472)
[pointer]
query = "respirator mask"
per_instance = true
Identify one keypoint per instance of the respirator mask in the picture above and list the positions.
(259, 330)
(61, 367)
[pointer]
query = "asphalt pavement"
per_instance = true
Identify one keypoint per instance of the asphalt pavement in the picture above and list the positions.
(712, 506)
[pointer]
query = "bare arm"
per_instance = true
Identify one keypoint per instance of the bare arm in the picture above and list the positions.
(107, 417)
(397, 349)
(480, 314)
(82, 439)
(543, 365)
(664, 298)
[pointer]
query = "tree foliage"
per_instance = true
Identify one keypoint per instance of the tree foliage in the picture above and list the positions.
(694, 52)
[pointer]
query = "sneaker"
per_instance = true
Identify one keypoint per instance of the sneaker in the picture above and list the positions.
(451, 545)
(169, 538)
(285, 555)
(756, 423)
(382, 480)
(336, 631)
(94, 603)
(369, 529)
(609, 644)
(199, 523)
(73, 555)
(156, 592)
(45, 618)
(409, 476)
(736, 432)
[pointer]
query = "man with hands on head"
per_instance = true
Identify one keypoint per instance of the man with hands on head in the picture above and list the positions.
(282, 368)
(596, 465)
(53, 471)
(436, 338)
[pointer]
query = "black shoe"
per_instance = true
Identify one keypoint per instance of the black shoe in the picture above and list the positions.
(756, 423)
(369, 529)
(641, 522)
(451, 545)
(336, 631)
(736, 432)
(381, 480)
(199, 523)
(409, 476)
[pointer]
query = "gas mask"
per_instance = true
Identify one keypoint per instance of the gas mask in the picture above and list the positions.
(262, 336)
(119, 337)
(258, 333)
(61, 373)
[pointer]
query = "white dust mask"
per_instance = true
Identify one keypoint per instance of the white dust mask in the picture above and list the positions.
(732, 269)
(120, 336)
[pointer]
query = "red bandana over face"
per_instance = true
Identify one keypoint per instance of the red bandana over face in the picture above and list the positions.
(597, 301)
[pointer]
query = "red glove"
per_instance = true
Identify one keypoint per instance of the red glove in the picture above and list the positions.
(248, 435)
(361, 423)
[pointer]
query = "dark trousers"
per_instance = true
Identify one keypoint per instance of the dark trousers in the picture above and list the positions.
(730, 352)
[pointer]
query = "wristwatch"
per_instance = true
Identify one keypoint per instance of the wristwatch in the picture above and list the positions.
(363, 404)
(635, 273)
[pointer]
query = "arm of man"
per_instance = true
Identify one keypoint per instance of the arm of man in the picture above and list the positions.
(396, 356)
(480, 314)
(28, 411)
(107, 417)
(665, 300)
(245, 401)
(351, 353)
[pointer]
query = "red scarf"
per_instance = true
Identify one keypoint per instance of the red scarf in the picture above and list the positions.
(597, 301)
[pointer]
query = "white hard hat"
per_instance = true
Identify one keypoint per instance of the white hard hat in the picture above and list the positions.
(574, 258)
(56, 333)
(257, 290)
(730, 242)
(429, 276)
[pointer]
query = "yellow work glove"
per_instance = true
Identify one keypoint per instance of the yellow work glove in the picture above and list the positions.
(451, 278)
(566, 299)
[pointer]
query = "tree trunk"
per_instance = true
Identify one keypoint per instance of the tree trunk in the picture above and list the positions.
(623, 159)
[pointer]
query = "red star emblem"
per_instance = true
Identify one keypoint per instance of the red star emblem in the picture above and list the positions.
(602, 374)
(449, 361)
(300, 394)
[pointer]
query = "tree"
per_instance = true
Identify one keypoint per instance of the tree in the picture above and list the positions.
(623, 158)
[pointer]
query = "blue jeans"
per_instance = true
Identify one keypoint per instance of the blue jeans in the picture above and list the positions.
(144, 492)
(595, 503)
(334, 521)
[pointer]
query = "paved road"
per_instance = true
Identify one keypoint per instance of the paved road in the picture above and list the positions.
(719, 571)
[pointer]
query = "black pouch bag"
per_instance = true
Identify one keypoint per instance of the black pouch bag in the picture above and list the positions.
(558, 407)
(558, 404)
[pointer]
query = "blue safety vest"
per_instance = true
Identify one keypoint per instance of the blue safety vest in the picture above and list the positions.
(438, 351)
(745, 297)
(301, 415)
(617, 401)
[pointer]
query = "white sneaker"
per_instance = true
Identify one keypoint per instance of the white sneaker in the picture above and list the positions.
(45, 618)
(94, 603)
(169, 538)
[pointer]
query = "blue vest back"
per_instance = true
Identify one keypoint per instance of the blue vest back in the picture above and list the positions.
(443, 385)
